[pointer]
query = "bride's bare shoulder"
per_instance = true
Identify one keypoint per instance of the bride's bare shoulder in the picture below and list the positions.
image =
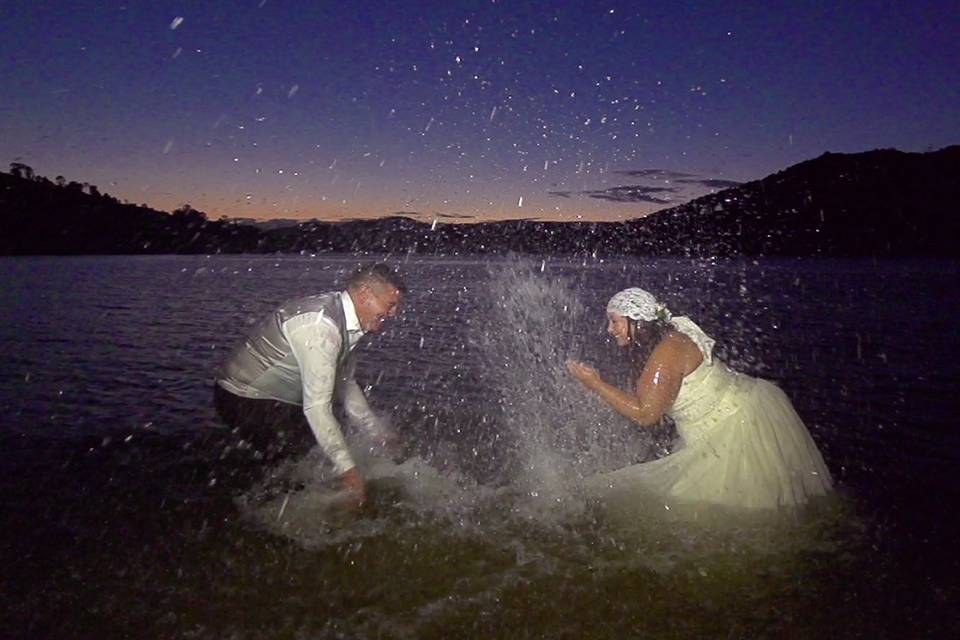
(681, 349)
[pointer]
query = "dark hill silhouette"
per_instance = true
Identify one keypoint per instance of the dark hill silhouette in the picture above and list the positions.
(876, 203)
(38, 216)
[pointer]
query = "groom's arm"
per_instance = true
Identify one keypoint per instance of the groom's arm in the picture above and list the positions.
(357, 407)
(316, 345)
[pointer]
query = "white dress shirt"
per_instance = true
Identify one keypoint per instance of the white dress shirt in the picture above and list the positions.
(311, 374)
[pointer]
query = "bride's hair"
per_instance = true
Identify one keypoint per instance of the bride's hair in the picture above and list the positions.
(644, 338)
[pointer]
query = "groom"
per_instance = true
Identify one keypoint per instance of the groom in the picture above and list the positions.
(296, 360)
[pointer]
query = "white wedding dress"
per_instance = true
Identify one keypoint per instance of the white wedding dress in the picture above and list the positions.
(744, 445)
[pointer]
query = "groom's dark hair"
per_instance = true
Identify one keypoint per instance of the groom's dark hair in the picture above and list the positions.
(377, 274)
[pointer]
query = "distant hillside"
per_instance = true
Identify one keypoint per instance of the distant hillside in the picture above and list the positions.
(397, 234)
(876, 203)
(38, 216)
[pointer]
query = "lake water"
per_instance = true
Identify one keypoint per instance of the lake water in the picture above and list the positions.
(126, 513)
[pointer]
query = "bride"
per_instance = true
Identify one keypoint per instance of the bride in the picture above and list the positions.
(744, 445)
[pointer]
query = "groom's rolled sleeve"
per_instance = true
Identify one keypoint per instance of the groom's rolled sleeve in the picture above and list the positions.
(355, 403)
(316, 347)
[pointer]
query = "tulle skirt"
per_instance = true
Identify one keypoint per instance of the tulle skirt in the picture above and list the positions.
(757, 456)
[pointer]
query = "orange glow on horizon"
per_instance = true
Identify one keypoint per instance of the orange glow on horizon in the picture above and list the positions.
(217, 208)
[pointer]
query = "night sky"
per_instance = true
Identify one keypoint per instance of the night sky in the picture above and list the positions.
(463, 110)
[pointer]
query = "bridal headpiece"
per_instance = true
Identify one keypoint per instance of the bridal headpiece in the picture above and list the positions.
(638, 304)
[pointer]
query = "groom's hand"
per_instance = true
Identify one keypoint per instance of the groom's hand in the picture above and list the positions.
(352, 481)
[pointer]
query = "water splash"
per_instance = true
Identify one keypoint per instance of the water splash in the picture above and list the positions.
(559, 433)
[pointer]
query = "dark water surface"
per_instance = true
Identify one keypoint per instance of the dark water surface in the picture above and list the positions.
(125, 513)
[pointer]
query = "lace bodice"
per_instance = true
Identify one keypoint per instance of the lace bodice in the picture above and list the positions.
(708, 395)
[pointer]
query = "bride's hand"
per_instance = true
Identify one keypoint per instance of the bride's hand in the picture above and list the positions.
(583, 372)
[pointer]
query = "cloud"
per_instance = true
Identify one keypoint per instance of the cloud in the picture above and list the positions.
(712, 183)
(455, 216)
(659, 173)
(631, 193)
(417, 215)
(656, 186)
(680, 177)
(627, 193)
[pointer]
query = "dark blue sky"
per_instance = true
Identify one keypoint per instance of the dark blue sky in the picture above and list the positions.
(463, 110)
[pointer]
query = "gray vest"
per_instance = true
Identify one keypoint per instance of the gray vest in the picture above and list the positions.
(329, 304)
(266, 346)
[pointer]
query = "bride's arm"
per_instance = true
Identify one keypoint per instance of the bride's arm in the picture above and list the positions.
(657, 386)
